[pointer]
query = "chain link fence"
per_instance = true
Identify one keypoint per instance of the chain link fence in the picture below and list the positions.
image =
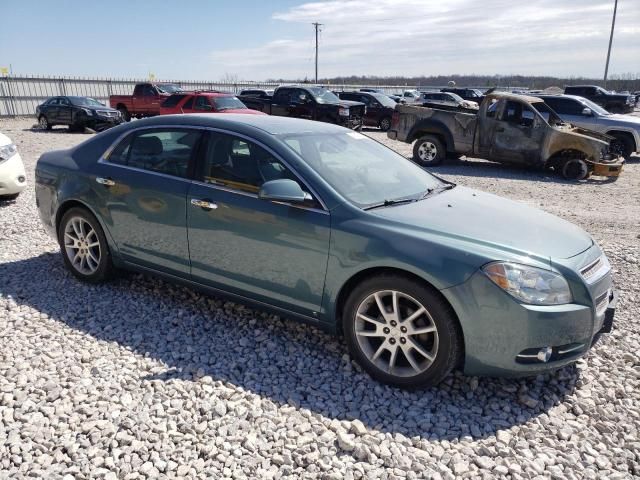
(20, 95)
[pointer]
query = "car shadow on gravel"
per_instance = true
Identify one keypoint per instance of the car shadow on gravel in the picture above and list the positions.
(482, 168)
(198, 336)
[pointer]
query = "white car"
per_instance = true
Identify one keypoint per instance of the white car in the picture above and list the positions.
(410, 96)
(13, 178)
(448, 99)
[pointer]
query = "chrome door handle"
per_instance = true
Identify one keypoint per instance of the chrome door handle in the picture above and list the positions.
(206, 204)
(107, 182)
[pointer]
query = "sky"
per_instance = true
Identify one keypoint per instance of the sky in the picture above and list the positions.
(260, 40)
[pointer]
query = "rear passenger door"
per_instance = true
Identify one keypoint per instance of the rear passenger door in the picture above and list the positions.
(142, 186)
(64, 111)
(273, 252)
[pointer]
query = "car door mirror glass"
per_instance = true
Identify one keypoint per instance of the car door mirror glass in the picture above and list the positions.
(282, 190)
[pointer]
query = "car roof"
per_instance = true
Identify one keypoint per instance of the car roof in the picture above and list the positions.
(205, 94)
(515, 96)
(573, 97)
(266, 123)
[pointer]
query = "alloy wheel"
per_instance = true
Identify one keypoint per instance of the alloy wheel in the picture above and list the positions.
(396, 333)
(427, 151)
(82, 246)
(44, 124)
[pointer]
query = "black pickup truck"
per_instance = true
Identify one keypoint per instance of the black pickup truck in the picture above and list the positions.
(313, 103)
(613, 102)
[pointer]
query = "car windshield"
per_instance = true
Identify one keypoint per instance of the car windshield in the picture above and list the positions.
(456, 97)
(384, 100)
(594, 107)
(85, 102)
(360, 169)
(475, 93)
(168, 88)
(227, 103)
(322, 95)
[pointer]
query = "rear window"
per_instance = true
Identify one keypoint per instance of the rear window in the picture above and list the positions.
(173, 100)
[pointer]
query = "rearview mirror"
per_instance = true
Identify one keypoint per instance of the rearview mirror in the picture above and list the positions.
(282, 190)
(587, 112)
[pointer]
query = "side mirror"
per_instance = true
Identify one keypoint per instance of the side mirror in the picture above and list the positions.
(282, 190)
(587, 112)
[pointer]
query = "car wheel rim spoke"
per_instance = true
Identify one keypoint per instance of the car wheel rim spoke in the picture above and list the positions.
(396, 333)
(82, 246)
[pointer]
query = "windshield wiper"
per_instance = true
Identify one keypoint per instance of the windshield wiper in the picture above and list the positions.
(442, 188)
(388, 203)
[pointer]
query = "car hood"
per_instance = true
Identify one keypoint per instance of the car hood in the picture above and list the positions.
(630, 120)
(246, 111)
(350, 103)
(489, 220)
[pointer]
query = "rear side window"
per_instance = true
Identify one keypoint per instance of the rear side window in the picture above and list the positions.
(283, 95)
(564, 106)
(168, 151)
(172, 101)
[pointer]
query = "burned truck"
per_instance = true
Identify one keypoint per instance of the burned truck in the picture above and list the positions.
(510, 129)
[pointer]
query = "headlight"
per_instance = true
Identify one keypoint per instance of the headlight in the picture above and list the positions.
(88, 111)
(344, 112)
(531, 285)
(7, 151)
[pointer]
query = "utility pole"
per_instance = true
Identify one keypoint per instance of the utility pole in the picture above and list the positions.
(613, 24)
(317, 25)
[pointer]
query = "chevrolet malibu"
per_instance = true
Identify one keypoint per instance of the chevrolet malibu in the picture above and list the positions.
(321, 223)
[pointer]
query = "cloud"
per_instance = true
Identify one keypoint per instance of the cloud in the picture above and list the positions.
(432, 37)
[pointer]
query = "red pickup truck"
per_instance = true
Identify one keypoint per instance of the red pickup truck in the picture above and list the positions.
(145, 101)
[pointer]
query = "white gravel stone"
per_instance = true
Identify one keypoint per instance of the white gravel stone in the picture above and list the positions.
(139, 377)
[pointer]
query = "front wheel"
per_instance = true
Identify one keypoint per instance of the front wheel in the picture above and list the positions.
(622, 145)
(44, 123)
(385, 124)
(575, 169)
(84, 246)
(124, 113)
(428, 151)
(401, 331)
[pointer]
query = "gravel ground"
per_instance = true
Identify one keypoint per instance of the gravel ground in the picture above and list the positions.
(140, 378)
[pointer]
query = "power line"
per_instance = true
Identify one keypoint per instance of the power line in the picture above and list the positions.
(317, 26)
(613, 24)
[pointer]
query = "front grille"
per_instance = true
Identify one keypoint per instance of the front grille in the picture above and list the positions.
(595, 270)
(107, 113)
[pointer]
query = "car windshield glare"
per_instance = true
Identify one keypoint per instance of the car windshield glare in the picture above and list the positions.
(384, 100)
(228, 103)
(360, 169)
(322, 95)
(169, 88)
(85, 102)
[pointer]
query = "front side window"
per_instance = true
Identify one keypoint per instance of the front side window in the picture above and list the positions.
(64, 101)
(492, 109)
(227, 103)
(238, 164)
(188, 105)
(172, 101)
(202, 103)
(360, 169)
(148, 91)
(167, 151)
(518, 114)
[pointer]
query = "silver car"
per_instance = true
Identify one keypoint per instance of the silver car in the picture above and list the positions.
(584, 113)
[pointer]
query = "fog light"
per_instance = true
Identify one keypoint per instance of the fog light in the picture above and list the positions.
(544, 354)
(21, 179)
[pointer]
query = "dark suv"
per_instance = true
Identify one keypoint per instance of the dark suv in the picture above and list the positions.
(379, 107)
(613, 102)
(470, 94)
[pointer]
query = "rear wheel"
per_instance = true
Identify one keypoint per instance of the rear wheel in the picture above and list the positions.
(401, 331)
(124, 113)
(84, 247)
(44, 123)
(385, 124)
(429, 151)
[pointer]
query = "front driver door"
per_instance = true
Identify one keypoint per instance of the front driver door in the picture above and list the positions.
(518, 135)
(272, 252)
(65, 114)
(142, 186)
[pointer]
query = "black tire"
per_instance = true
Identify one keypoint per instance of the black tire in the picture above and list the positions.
(449, 346)
(622, 145)
(574, 169)
(429, 151)
(43, 121)
(385, 124)
(104, 268)
(124, 113)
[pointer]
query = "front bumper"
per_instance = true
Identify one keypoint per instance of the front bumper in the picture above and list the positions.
(351, 122)
(609, 169)
(503, 337)
(13, 178)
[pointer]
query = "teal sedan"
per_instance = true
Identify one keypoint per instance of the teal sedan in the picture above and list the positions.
(320, 223)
